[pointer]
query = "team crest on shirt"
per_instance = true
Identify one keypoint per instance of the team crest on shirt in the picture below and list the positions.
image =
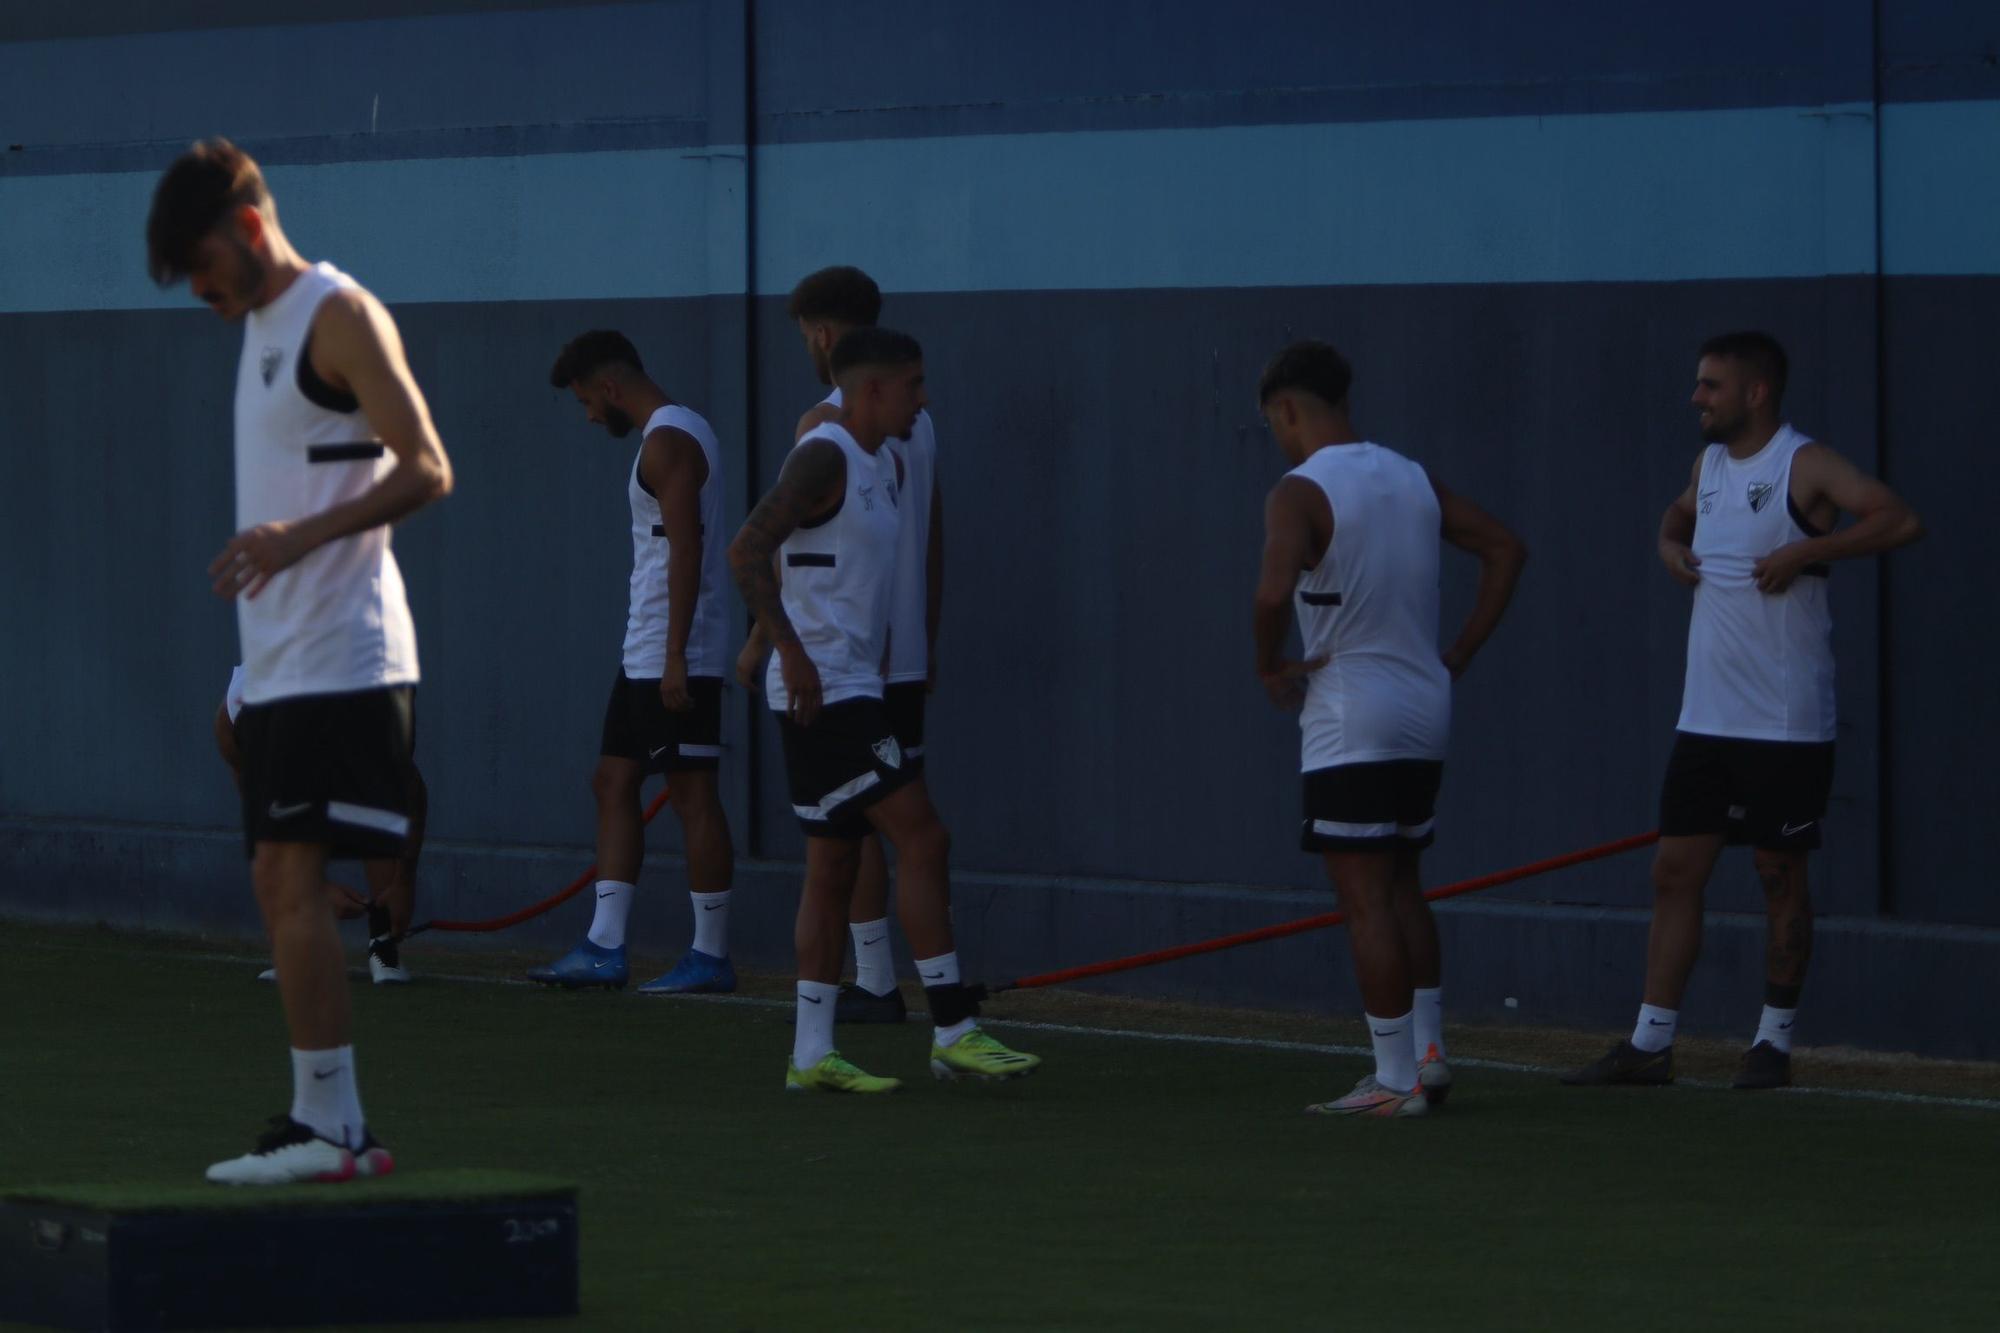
(889, 752)
(273, 357)
(1760, 495)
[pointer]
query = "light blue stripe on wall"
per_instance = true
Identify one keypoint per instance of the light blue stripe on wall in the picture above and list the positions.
(1608, 198)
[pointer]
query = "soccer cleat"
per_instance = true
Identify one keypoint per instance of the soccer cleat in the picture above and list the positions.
(1434, 1076)
(287, 1153)
(697, 974)
(371, 1159)
(833, 1074)
(979, 1055)
(585, 966)
(856, 1005)
(385, 961)
(1371, 1098)
(1764, 1066)
(1625, 1063)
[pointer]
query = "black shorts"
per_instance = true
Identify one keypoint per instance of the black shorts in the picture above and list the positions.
(637, 726)
(1380, 807)
(904, 702)
(846, 761)
(329, 768)
(1769, 794)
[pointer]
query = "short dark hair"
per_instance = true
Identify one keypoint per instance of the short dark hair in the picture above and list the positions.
(1759, 351)
(588, 353)
(842, 292)
(1316, 367)
(870, 346)
(202, 187)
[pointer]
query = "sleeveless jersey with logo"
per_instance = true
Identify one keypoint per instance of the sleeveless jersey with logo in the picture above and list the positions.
(1759, 666)
(337, 620)
(646, 621)
(1371, 607)
(909, 602)
(837, 576)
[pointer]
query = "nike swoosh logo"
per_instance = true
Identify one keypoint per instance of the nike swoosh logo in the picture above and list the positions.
(877, 940)
(811, 999)
(287, 811)
(600, 966)
(326, 1073)
(1656, 1022)
(1390, 1033)
(613, 893)
(933, 976)
(1790, 830)
(1784, 1027)
(655, 754)
(710, 907)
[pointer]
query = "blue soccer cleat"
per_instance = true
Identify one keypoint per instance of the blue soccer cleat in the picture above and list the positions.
(585, 966)
(697, 974)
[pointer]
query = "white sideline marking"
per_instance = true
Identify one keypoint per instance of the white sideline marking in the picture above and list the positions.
(1201, 1039)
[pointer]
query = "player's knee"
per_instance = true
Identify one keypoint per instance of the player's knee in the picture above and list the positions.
(1779, 873)
(928, 841)
(693, 797)
(1675, 876)
(611, 783)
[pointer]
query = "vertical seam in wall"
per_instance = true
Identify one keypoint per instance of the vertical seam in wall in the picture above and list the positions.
(1885, 782)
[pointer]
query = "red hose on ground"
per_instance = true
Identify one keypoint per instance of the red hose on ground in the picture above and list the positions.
(533, 910)
(1320, 922)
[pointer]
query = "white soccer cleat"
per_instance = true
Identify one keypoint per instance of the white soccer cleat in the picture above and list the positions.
(385, 962)
(269, 974)
(287, 1154)
(1434, 1076)
(1371, 1098)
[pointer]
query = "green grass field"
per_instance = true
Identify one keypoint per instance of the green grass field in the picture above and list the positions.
(1132, 1184)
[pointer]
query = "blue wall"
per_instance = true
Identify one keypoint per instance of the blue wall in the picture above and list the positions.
(1519, 220)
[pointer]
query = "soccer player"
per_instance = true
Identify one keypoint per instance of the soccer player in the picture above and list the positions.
(334, 444)
(824, 306)
(1352, 533)
(1752, 761)
(833, 521)
(392, 882)
(665, 711)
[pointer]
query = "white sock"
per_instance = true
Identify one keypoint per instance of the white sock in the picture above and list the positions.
(1395, 1051)
(812, 1039)
(614, 904)
(1655, 1029)
(711, 923)
(1429, 1017)
(1776, 1027)
(939, 971)
(325, 1097)
(949, 1036)
(874, 969)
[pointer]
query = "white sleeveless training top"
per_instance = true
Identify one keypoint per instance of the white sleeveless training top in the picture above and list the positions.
(1371, 607)
(1759, 666)
(909, 593)
(337, 620)
(646, 621)
(836, 577)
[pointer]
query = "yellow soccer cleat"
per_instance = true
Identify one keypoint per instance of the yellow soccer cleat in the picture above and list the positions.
(978, 1055)
(833, 1074)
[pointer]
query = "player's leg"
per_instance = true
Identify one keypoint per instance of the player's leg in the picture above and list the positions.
(960, 1049)
(686, 747)
(1416, 784)
(598, 961)
(392, 891)
(1789, 785)
(1364, 878)
(874, 996)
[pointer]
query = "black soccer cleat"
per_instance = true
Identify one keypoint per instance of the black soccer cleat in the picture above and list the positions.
(1625, 1063)
(1764, 1066)
(855, 1005)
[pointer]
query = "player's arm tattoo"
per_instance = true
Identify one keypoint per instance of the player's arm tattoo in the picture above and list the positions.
(810, 485)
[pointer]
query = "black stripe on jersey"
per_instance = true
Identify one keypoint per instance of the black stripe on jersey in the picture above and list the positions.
(341, 453)
(1320, 598)
(317, 390)
(1798, 516)
(809, 559)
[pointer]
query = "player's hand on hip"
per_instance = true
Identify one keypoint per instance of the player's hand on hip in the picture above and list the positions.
(801, 679)
(1286, 685)
(1776, 571)
(1681, 562)
(674, 684)
(1455, 662)
(254, 557)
